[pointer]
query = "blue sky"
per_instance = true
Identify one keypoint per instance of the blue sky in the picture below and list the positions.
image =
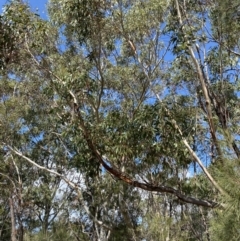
(34, 4)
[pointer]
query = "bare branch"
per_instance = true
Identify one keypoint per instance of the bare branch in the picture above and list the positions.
(70, 183)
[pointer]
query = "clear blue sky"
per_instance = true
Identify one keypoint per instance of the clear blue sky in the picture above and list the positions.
(34, 4)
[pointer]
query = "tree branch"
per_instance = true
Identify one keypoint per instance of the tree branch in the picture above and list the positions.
(70, 183)
(203, 85)
(146, 186)
(154, 188)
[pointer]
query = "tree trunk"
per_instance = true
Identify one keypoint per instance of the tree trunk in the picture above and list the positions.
(13, 229)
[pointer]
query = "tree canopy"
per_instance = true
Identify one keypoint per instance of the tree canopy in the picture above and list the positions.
(119, 120)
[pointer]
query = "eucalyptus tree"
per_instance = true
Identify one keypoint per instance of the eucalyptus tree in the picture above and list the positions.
(23, 114)
(129, 96)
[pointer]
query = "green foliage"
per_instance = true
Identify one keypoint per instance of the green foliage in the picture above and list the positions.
(225, 22)
(225, 224)
(142, 86)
